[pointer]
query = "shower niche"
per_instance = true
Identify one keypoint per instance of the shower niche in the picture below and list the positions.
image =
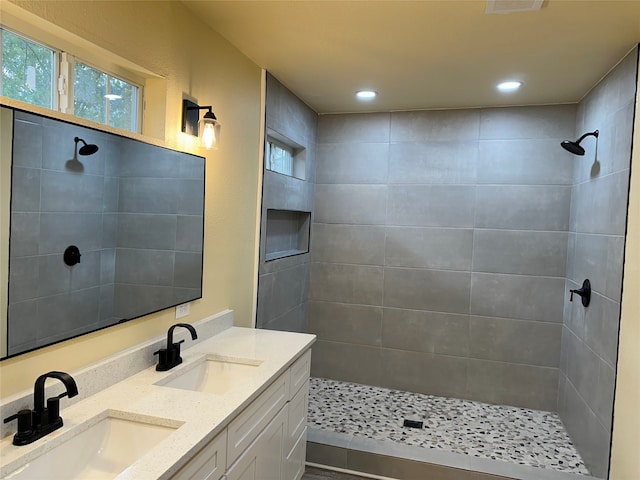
(287, 233)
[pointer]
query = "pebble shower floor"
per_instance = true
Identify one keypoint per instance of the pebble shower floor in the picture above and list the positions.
(519, 435)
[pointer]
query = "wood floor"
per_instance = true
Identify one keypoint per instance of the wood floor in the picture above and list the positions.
(317, 474)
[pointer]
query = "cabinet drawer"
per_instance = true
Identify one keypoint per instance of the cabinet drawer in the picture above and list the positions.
(300, 371)
(246, 426)
(297, 415)
(208, 464)
(295, 461)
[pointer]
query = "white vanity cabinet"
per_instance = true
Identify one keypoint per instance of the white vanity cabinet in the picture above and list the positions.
(267, 440)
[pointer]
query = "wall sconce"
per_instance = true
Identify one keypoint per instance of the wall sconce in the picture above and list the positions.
(208, 129)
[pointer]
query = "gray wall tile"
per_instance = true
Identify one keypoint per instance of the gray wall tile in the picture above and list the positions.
(27, 140)
(523, 207)
(340, 322)
(85, 274)
(588, 435)
(286, 193)
(601, 326)
(25, 234)
(421, 126)
(353, 204)
(25, 190)
(436, 162)
(189, 233)
(59, 230)
(71, 193)
(424, 372)
(603, 405)
(515, 341)
(528, 122)
(431, 205)
(434, 290)
(436, 248)
(361, 284)
(398, 467)
(517, 296)
(134, 300)
(602, 204)
(187, 270)
(146, 230)
(520, 252)
(343, 361)
(147, 195)
(428, 332)
(352, 162)
(295, 320)
(22, 326)
(364, 245)
(353, 128)
(326, 455)
(287, 290)
(599, 257)
(524, 162)
(507, 383)
(144, 267)
(598, 218)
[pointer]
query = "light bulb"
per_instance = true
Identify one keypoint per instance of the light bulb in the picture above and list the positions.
(208, 135)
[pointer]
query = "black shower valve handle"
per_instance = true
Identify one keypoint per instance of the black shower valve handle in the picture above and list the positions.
(584, 292)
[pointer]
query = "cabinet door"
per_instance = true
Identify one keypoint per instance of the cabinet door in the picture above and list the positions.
(263, 459)
(297, 422)
(300, 371)
(244, 429)
(295, 462)
(208, 464)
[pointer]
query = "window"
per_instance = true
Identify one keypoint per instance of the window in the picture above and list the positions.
(283, 155)
(28, 70)
(31, 72)
(103, 98)
(279, 158)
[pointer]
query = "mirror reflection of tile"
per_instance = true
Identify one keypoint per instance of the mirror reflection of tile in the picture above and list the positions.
(134, 210)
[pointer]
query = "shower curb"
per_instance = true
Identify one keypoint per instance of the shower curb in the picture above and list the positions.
(409, 462)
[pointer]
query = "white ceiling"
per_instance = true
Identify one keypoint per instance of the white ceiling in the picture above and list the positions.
(427, 54)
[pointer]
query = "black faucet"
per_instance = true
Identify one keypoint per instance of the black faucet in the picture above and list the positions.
(170, 357)
(41, 421)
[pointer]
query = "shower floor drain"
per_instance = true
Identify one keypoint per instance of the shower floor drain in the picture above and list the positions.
(413, 423)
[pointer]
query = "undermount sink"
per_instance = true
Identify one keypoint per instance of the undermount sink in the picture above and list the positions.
(103, 451)
(212, 374)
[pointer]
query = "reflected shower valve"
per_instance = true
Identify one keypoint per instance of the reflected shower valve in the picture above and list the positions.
(72, 255)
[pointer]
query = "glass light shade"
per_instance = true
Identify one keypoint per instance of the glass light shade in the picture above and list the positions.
(209, 133)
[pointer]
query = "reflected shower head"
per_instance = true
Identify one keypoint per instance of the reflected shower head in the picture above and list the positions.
(574, 147)
(86, 149)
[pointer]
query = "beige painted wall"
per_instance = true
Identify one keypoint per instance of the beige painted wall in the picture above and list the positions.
(166, 39)
(625, 453)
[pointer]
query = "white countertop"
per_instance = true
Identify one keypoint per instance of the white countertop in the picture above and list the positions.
(201, 416)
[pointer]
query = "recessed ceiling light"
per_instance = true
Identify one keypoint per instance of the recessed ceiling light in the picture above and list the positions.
(112, 96)
(366, 94)
(510, 86)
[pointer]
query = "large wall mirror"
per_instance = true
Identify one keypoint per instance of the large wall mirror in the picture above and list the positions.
(95, 237)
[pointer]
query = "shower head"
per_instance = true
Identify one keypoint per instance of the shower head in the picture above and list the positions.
(86, 149)
(574, 147)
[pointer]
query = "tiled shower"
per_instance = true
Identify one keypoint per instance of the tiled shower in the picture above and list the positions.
(444, 245)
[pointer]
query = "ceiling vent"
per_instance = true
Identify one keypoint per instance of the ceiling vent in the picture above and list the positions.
(512, 6)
